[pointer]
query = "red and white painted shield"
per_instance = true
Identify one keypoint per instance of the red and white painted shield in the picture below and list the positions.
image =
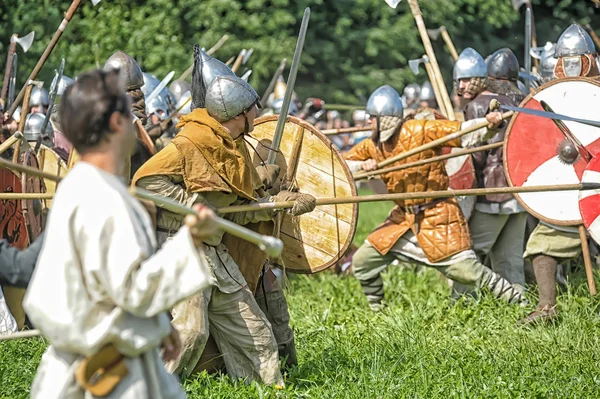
(461, 172)
(589, 200)
(531, 148)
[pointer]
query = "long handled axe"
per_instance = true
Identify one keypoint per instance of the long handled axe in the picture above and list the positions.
(242, 59)
(414, 67)
(434, 34)
(25, 43)
(63, 25)
(416, 11)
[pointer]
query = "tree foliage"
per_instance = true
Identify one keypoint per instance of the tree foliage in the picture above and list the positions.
(352, 46)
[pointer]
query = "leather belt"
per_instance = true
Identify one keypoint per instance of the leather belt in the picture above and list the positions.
(417, 209)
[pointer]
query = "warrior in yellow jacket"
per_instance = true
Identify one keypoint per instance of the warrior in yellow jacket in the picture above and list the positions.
(432, 232)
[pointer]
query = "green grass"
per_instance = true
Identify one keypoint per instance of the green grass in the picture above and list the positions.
(418, 347)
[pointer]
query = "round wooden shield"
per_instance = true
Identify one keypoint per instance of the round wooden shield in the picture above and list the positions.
(51, 163)
(461, 172)
(317, 240)
(532, 144)
(589, 200)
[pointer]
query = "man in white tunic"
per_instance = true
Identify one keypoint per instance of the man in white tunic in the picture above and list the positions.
(111, 286)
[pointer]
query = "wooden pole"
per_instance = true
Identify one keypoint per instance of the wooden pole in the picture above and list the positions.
(24, 111)
(587, 260)
(12, 49)
(449, 43)
(63, 25)
(21, 335)
(436, 87)
(438, 142)
(412, 196)
(10, 141)
(355, 129)
(416, 11)
(364, 175)
(210, 51)
(25, 196)
(344, 107)
(238, 61)
(594, 36)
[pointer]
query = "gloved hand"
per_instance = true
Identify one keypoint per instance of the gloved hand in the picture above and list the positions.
(304, 203)
(268, 175)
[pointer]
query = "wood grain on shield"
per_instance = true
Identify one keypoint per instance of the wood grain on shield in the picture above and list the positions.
(51, 163)
(317, 240)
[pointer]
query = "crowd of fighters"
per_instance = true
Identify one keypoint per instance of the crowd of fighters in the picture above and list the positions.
(141, 295)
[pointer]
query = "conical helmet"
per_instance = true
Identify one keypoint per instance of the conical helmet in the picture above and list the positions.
(547, 61)
(385, 101)
(39, 97)
(130, 70)
(574, 41)
(33, 129)
(503, 65)
(470, 64)
(411, 92)
(229, 96)
(206, 69)
(427, 93)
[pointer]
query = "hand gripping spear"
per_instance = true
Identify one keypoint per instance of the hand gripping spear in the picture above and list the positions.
(63, 25)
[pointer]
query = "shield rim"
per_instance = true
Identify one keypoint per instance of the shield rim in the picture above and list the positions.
(351, 182)
(505, 147)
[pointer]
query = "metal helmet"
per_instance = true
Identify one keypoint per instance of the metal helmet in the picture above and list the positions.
(229, 96)
(39, 97)
(184, 97)
(547, 61)
(212, 67)
(427, 93)
(16, 116)
(130, 70)
(33, 129)
(158, 106)
(411, 92)
(503, 65)
(179, 87)
(385, 101)
(278, 104)
(360, 115)
(470, 64)
(150, 83)
(574, 41)
(64, 82)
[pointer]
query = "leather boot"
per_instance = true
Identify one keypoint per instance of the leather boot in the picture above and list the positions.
(545, 274)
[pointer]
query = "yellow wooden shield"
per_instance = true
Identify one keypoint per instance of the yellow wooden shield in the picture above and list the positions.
(317, 240)
(51, 162)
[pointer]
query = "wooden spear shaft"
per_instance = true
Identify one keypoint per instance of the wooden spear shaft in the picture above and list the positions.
(587, 260)
(10, 142)
(272, 246)
(412, 196)
(238, 61)
(25, 110)
(436, 88)
(449, 43)
(364, 175)
(416, 11)
(438, 142)
(63, 25)
(12, 49)
(21, 335)
(356, 129)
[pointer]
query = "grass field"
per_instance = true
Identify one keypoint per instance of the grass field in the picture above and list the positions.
(418, 347)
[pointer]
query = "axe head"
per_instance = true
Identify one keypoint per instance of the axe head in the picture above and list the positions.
(434, 33)
(247, 55)
(414, 65)
(517, 4)
(95, 2)
(246, 75)
(25, 41)
(393, 3)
